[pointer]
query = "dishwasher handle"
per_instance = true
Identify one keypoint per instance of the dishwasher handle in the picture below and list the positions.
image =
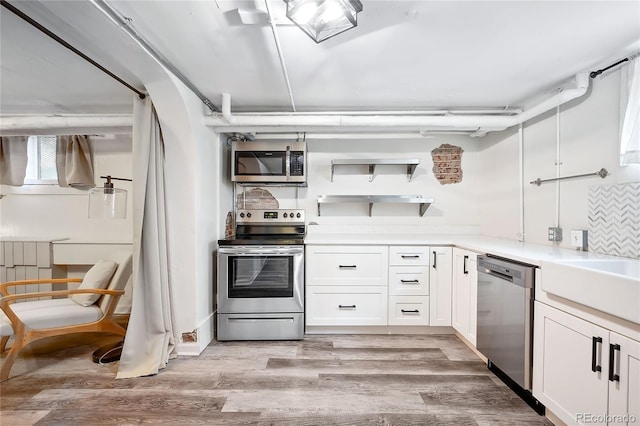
(498, 275)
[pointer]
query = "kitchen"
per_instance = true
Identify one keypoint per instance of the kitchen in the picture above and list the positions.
(494, 197)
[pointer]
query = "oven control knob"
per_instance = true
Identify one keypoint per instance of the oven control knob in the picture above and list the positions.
(298, 215)
(248, 214)
(284, 215)
(241, 214)
(291, 215)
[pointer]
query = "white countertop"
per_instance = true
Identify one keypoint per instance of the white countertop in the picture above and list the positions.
(523, 252)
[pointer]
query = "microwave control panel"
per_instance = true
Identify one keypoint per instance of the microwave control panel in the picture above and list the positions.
(296, 167)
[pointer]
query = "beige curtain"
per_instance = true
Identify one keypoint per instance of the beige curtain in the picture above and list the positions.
(149, 341)
(74, 161)
(13, 160)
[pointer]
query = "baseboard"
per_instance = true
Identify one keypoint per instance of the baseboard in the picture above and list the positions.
(367, 329)
(203, 336)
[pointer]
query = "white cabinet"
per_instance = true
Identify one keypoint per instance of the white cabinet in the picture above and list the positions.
(346, 285)
(465, 294)
(440, 276)
(394, 285)
(408, 285)
(584, 373)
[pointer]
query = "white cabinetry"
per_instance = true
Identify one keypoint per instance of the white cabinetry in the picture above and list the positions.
(440, 276)
(465, 293)
(378, 285)
(346, 285)
(584, 373)
(408, 285)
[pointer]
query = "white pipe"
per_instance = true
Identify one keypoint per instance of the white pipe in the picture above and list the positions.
(521, 181)
(226, 106)
(280, 55)
(374, 120)
(558, 164)
(62, 124)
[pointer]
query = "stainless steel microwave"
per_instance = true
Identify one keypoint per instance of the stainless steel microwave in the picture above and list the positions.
(268, 161)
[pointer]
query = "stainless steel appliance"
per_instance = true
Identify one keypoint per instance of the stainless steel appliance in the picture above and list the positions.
(505, 322)
(268, 161)
(261, 277)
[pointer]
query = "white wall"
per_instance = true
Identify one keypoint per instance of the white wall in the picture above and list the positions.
(48, 211)
(588, 139)
(455, 204)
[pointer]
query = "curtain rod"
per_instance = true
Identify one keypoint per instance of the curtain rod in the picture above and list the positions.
(40, 27)
(594, 74)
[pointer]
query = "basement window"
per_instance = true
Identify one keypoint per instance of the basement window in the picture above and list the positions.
(41, 161)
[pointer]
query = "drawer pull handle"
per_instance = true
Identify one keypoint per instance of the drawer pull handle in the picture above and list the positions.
(435, 260)
(347, 266)
(612, 362)
(413, 256)
(410, 281)
(406, 311)
(346, 306)
(464, 265)
(594, 352)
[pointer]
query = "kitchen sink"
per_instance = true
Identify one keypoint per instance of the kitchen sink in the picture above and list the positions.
(608, 285)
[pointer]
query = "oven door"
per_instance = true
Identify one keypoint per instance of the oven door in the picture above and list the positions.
(253, 279)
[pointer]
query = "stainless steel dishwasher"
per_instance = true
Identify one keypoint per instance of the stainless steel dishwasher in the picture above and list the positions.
(505, 322)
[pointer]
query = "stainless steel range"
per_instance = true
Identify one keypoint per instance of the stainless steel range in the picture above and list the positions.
(261, 277)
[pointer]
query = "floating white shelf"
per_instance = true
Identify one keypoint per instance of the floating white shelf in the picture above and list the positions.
(373, 199)
(411, 164)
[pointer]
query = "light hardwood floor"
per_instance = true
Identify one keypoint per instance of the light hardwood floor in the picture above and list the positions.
(321, 380)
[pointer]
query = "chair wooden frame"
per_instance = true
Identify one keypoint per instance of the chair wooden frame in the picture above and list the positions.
(24, 335)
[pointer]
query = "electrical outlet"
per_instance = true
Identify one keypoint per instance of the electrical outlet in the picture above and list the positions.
(579, 239)
(555, 234)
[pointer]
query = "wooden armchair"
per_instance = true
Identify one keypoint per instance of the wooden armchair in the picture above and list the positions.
(59, 314)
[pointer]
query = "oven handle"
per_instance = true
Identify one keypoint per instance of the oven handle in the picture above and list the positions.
(253, 251)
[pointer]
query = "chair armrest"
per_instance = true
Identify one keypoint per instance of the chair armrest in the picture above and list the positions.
(12, 297)
(5, 285)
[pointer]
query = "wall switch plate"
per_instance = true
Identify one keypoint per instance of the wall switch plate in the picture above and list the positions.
(555, 233)
(579, 239)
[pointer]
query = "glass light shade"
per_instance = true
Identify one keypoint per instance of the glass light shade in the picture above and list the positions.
(107, 203)
(323, 19)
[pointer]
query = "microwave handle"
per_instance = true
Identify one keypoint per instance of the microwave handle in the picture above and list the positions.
(288, 162)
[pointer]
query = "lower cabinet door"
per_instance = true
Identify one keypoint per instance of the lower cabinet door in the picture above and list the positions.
(570, 364)
(346, 305)
(408, 310)
(624, 380)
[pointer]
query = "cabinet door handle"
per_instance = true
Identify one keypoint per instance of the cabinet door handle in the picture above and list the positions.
(464, 265)
(435, 259)
(347, 266)
(612, 362)
(406, 311)
(413, 256)
(594, 354)
(410, 281)
(346, 306)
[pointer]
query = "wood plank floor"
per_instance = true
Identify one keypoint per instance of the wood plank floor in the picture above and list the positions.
(322, 380)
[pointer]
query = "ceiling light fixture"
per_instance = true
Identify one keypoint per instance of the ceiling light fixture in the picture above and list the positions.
(323, 19)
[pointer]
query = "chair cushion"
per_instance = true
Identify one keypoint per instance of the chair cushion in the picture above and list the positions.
(49, 313)
(97, 277)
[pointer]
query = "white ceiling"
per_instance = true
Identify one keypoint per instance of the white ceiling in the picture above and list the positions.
(404, 55)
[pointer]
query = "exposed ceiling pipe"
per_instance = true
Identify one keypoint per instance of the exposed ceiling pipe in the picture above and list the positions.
(280, 55)
(125, 25)
(64, 124)
(478, 123)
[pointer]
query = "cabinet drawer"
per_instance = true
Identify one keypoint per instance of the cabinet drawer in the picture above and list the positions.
(408, 310)
(409, 280)
(348, 265)
(408, 255)
(346, 305)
